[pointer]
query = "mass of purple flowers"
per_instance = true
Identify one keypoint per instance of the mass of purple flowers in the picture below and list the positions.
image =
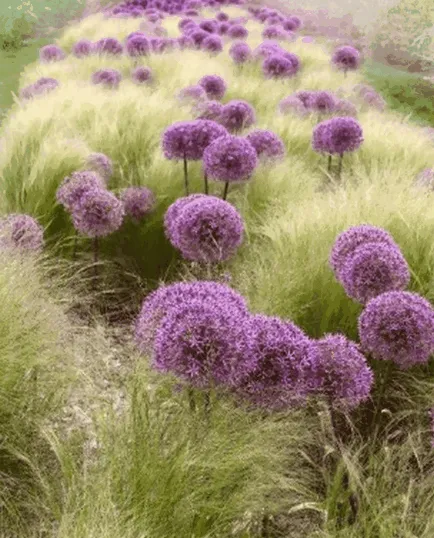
(138, 202)
(142, 75)
(98, 213)
(82, 48)
(40, 87)
(267, 144)
(189, 139)
(51, 53)
(237, 115)
(75, 186)
(21, 232)
(109, 45)
(109, 78)
(240, 52)
(230, 159)
(337, 136)
(346, 58)
(214, 86)
(277, 66)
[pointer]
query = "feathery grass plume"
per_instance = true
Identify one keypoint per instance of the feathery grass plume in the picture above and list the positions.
(109, 45)
(75, 186)
(342, 372)
(207, 230)
(158, 303)
(237, 31)
(374, 268)
(100, 163)
(42, 86)
(346, 59)
(138, 202)
(425, 179)
(21, 232)
(277, 66)
(398, 326)
(237, 115)
(137, 45)
(51, 53)
(109, 78)
(240, 52)
(212, 44)
(142, 75)
(214, 86)
(82, 48)
(268, 145)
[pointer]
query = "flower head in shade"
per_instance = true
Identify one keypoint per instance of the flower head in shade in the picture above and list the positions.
(342, 371)
(75, 186)
(40, 87)
(214, 86)
(137, 45)
(230, 159)
(297, 21)
(142, 75)
(198, 36)
(347, 242)
(222, 17)
(172, 213)
(240, 52)
(237, 115)
(286, 360)
(209, 110)
(338, 135)
(109, 78)
(267, 144)
(82, 48)
(343, 107)
(109, 45)
(374, 268)
(212, 44)
(322, 101)
(207, 230)
(206, 344)
(192, 93)
(138, 202)
(223, 28)
(51, 53)
(398, 326)
(292, 105)
(238, 31)
(98, 213)
(346, 58)
(267, 48)
(289, 25)
(100, 163)
(186, 21)
(274, 32)
(185, 42)
(158, 303)
(277, 66)
(209, 26)
(320, 138)
(425, 179)
(22, 232)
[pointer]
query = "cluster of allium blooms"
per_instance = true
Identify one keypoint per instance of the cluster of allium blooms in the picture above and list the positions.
(137, 45)
(337, 136)
(425, 179)
(21, 232)
(316, 101)
(278, 66)
(292, 105)
(109, 45)
(346, 58)
(98, 213)
(267, 144)
(208, 110)
(174, 210)
(276, 31)
(267, 48)
(192, 93)
(206, 230)
(51, 53)
(237, 115)
(40, 87)
(158, 303)
(240, 52)
(138, 202)
(142, 75)
(342, 371)
(212, 44)
(398, 326)
(77, 185)
(237, 31)
(100, 163)
(82, 48)
(148, 8)
(214, 86)
(109, 78)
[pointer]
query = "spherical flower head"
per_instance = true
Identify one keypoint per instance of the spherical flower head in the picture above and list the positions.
(274, 32)
(425, 179)
(158, 303)
(98, 213)
(198, 36)
(297, 21)
(186, 21)
(75, 186)
(51, 53)
(208, 230)
(398, 326)
(212, 44)
(42, 86)
(191, 13)
(354, 236)
(374, 268)
(109, 78)
(100, 163)
(286, 360)
(138, 202)
(237, 115)
(209, 110)
(82, 48)
(321, 138)
(289, 25)
(142, 75)
(340, 135)
(222, 17)
(343, 107)
(240, 52)
(267, 48)
(344, 376)
(109, 45)
(230, 159)
(172, 213)
(346, 58)
(322, 101)
(204, 344)
(21, 232)
(185, 42)
(209, 26)
(238, 31)
(277, 66)
(293, 58)
(223, 28)
(137, 45)
(268, 145)
(292, 105)
(192, 93)
(214, 86)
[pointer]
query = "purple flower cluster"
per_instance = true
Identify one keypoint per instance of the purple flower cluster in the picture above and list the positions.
(230, 159)
(237, 115)
(237, 31)
(214, 86)
(142, 75)
(337, 136)
(51, 53)
(212, 44)
(320, 101)
(240, 52)
(346, 58)
(21, 232)
(137, 45)
(109, 78)
(138, 202)
(154, 9)
(109, 45)
(192, 93)
(98, 213)
(100, 163)
(40, 87)
(82, 48)
(209, 110)
(267, 144)
(76, 186)
(279, 66)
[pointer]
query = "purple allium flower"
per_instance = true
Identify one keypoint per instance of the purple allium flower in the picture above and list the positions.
(22, 232)
(214, 86)
(192, 93)
(75, 186)
(173, 212)
(142, 75)
(138, 202)
(293, 58)
(207, 230)
(223, 28)
(345, 108)
(398, 326)
(186, 22)
(198, 36)
(137, 45)
(286, 360)
(82, 48)
(297, 21)
(237, 115)
(209, 26)
(425, 179)
(209, 110)
(322, 101)
(238, 31)
(109, 45)
(109, 78)
(41, 86)
(185, 42)
(158, 303)
(98, 213)
(267, 144)
(51, 53)
(204, 343)
(292, 104)
(289, 25)
(342, 371)
(337, 135)
(230, 159)
(346, 58)
(277, 66)
(212, 43)
(100, 163)
(374, 268)
(191, 13)
(348, 241)
(222, 17)
(240, 52)
(274, 32)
